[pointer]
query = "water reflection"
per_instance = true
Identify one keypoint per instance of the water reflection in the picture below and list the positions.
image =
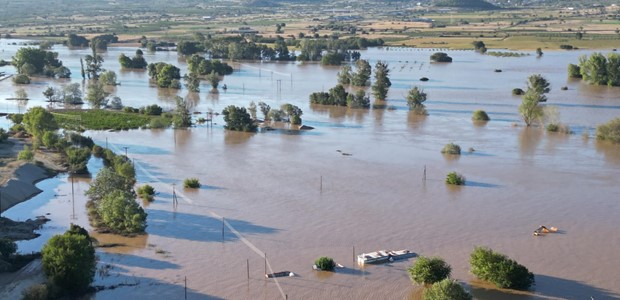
(237, 138)
(214, 98)
(334, 112)
(415, 120)
(529, 139)
(611, 152)
(114, 243)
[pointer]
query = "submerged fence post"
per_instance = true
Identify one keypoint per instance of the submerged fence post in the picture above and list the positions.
(185, 287)
(222, 229)
(265, 264)
(354, 255)
(247, 264)
(424, 175)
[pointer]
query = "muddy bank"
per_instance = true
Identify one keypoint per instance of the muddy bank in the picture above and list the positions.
(21, 186)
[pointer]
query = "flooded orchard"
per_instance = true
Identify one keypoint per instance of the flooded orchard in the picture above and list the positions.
(294, 196)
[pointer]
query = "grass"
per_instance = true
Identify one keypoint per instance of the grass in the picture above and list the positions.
(146, 192)
(99, 119)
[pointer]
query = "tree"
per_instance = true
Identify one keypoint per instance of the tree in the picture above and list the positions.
(539, 52)
(499, 269)
(107, 181)
(613, 69)
(539, 84)
(362, 74)
(359, 100)
(38, 120)
(264, 109)
(108, 78)
(182, 118)
(455, 178)
(382, 82)
(192, 82)
(480, 115)
(574, 71)
(21, 79)
(214, 80)
(72, 93)
(440, 57)
(7, 248)
(125, 61)
(49, 93)
(446, 289)
(594, 69)
(344, 76)
(69, 262)
(292, 112)
(609, 131)
(77, 158)
(337, 96)
(238, 119)
(252, 110)
(164, 74)
(116, 103)
(530, 108)
(96, 95)
(325, 263)
(428, 270)
(415, 100)
(49, 139)
(121, 213)
(31, 61)
(93, 64)
(480, 47)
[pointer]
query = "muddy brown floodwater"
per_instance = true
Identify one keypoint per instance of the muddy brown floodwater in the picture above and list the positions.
(295, 197)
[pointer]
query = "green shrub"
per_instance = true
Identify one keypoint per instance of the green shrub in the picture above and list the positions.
(49, 139)
(574, 71)
(77, 158)
(16, 118)
(440, 57)
(191, 183)
(517, 92)
(151, 110)
(146, 192)
(451, 148)
(26, 154)
(161, 122)
(428, 270)
(480, 115)
(97, 151)
(499, 269)
(609, 131)
(21, 79)
(455, 178)
(558, 127)
(446, 289)
(325, 263)
(3, 135)
(7, 248)
(36, 292)
(121, 214)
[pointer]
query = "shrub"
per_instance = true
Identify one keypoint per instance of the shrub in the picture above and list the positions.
(97, 151)
(440, 57)
(609, 131)
(428, 270)
(191, 183)
(559, 127)
(7, 248)
(21, 79)
(26, 154)
(567, 47)
(446, 289)
(3, 135)
(16, 118)
(77, 158)
(499, 269)
(49, 139)
(574, 71)
(325, 263)
(151, 110)
(451, 148)
(159, 123)
(238, 119)
(36, 292)
(69, 262)
(480, 115)
(121, 214)
(455, 178)
(517, 92)
(146, 192)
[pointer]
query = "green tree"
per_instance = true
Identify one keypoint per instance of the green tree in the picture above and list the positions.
(107, 181)
(594, 69)
(192, 82)
(539, 52)
(325, 263)
(69, 262)
(96, 95)
(264, 109)
(125, 61)
(181, 118)
(609, 131)
(455, 178)
(164, 74)
(252, 110)
(499, 269)
(359, 100)
(7, 248)
(93, 64)
(446, 289)
(480, 115)
(121, 213)
(38, 120)
(530, 108)
(613, 69)
(480, 47)
(338, 96)
(31, 61)
(362, 74)
(415, 100)
(77, 158)
(382, 81)
(71, 93)
(49, 93)
(26, 154)
(214, 80)
(440, 57)
(574, 71)
(539, 84)
(108, 78)
(50, 139)
(238, 119)
(21, 79)
(428, 270)
(292, 112)
(344, 76)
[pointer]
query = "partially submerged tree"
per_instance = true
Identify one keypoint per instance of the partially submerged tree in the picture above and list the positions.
(530, 108)
(539, 84)
(362, 74)
(38, 120)
(428, 270)
(499, 269)
(96, 95)
(344, 76)
(382, 82)
(446, 289)
(182, 117)
(238, 119)
(415, 100)
(214, 80)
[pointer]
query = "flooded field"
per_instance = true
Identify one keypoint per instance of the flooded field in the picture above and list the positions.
(295, 197)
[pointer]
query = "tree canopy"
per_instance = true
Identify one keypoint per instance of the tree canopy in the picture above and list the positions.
(38, 120)
(446, 289)
(166, 75)
(428, 270)
(499, 269)
(238, 119)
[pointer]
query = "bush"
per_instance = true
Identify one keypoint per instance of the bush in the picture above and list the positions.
(325, 263)
(480, 115)
(36, 292)
(574, 71)
(121, 214)
(428, 270)
(451, 148)
(440, 57)
(446, 289)
(191, 183)
(558, 127)
(517, 92)
(609, 131)
(159, 123)
(21, 79)
(146, 192)
(26, 154)
(567, 47)
(499, 269)
(97, 151)
(3, 135)
(77, 158)
(7, 248)
(455, 178)
(238, 119)
(69, 262)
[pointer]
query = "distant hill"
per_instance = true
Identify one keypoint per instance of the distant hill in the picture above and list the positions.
(467, 4)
